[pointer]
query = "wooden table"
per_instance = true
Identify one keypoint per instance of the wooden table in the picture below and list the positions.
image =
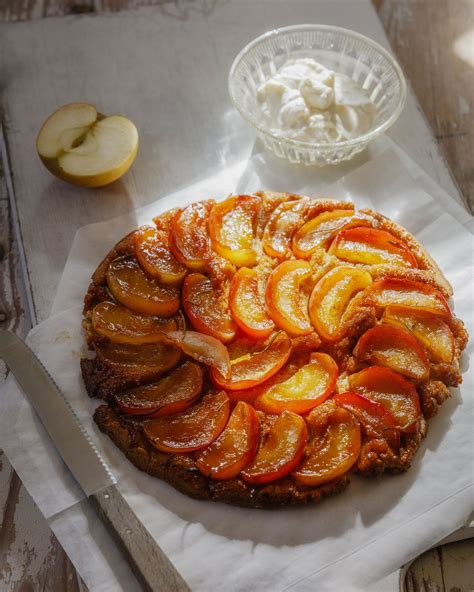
(431, 40)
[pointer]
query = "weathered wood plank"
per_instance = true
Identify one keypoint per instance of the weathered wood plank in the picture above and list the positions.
(31, 558)
(443, 569)
(24, 10)
(20, 10)
(433, 41)
(13, 308)
(65, 7)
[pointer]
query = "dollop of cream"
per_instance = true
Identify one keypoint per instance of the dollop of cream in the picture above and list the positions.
(306, 101)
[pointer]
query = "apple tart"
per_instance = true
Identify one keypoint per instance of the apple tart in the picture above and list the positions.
(260, 349)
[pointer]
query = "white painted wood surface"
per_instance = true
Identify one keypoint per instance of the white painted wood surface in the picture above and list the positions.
(187, 125)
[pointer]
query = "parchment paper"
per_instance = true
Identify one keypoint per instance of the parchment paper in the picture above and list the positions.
(350, 541)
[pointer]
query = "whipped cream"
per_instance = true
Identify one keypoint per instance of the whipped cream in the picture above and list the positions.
(306, 101)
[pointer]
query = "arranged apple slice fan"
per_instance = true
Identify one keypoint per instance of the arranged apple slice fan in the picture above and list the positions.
(259, 349)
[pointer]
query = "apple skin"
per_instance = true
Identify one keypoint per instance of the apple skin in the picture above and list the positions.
(94, 180)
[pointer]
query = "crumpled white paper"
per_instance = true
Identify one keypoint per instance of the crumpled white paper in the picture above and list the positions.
(350, 541)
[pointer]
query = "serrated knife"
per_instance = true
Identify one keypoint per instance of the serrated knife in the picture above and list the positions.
(151, 566)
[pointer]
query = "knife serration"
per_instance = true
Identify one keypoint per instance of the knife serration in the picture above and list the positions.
(62, 424)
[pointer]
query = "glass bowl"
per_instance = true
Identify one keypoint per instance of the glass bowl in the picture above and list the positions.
(341, 50)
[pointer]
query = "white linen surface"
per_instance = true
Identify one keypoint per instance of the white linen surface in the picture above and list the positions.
(350, 541)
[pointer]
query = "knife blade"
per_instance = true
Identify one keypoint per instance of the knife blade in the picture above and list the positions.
(149, 563)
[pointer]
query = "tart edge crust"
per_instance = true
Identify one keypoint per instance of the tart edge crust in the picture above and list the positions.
(180, 471)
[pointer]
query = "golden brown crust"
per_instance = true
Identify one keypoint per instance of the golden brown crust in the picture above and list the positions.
(432, 396)
(424, 260)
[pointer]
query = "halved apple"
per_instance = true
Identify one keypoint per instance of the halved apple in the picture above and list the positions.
(430, 330)
(232, 229)
(129, 284)
(394, 392)
(409, 294)
(121, 325)
(234, 448)
(282, 224)
(192, 429)
(189, 238)
(280, 451)
(371, 246)
(246, 305)
(155, 257)
(395, 348)
(330, 297)
(145, 362)
(375, 417)
(317, 231)
(286, 303)
(172, 394)
(333, 450)
(309, 386)
(85, 148)
(206, 308)
(254, 367)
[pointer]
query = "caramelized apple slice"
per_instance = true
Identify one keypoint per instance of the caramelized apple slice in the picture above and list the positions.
(142, 363)
(430, 330)
(154, 255)
(234, 448)
(282, 224)
(395, 393)
(409, 294)
(317, 231)
(291, 366)
(172, 394)
(331, 295)
(374, 416)
(203, 348)
(286, 302)
(121, 325)
(333, 450)
(247, 307)
(308, 387)
(163, 221)
(189, 238)
(254, 368)
(192, 429)
(232, 229)
(371, 246)
(207, 308)
(395, 348)
(280, 451)
(129, 284)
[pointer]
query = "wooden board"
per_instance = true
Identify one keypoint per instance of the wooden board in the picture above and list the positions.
(443, 569)
(186, 122)
(427, 29)
(434, 43)
(436, 31)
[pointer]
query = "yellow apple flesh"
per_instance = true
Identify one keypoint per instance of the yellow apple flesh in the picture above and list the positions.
(81, 146)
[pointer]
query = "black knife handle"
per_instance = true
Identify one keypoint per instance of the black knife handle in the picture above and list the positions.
(148, 562)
